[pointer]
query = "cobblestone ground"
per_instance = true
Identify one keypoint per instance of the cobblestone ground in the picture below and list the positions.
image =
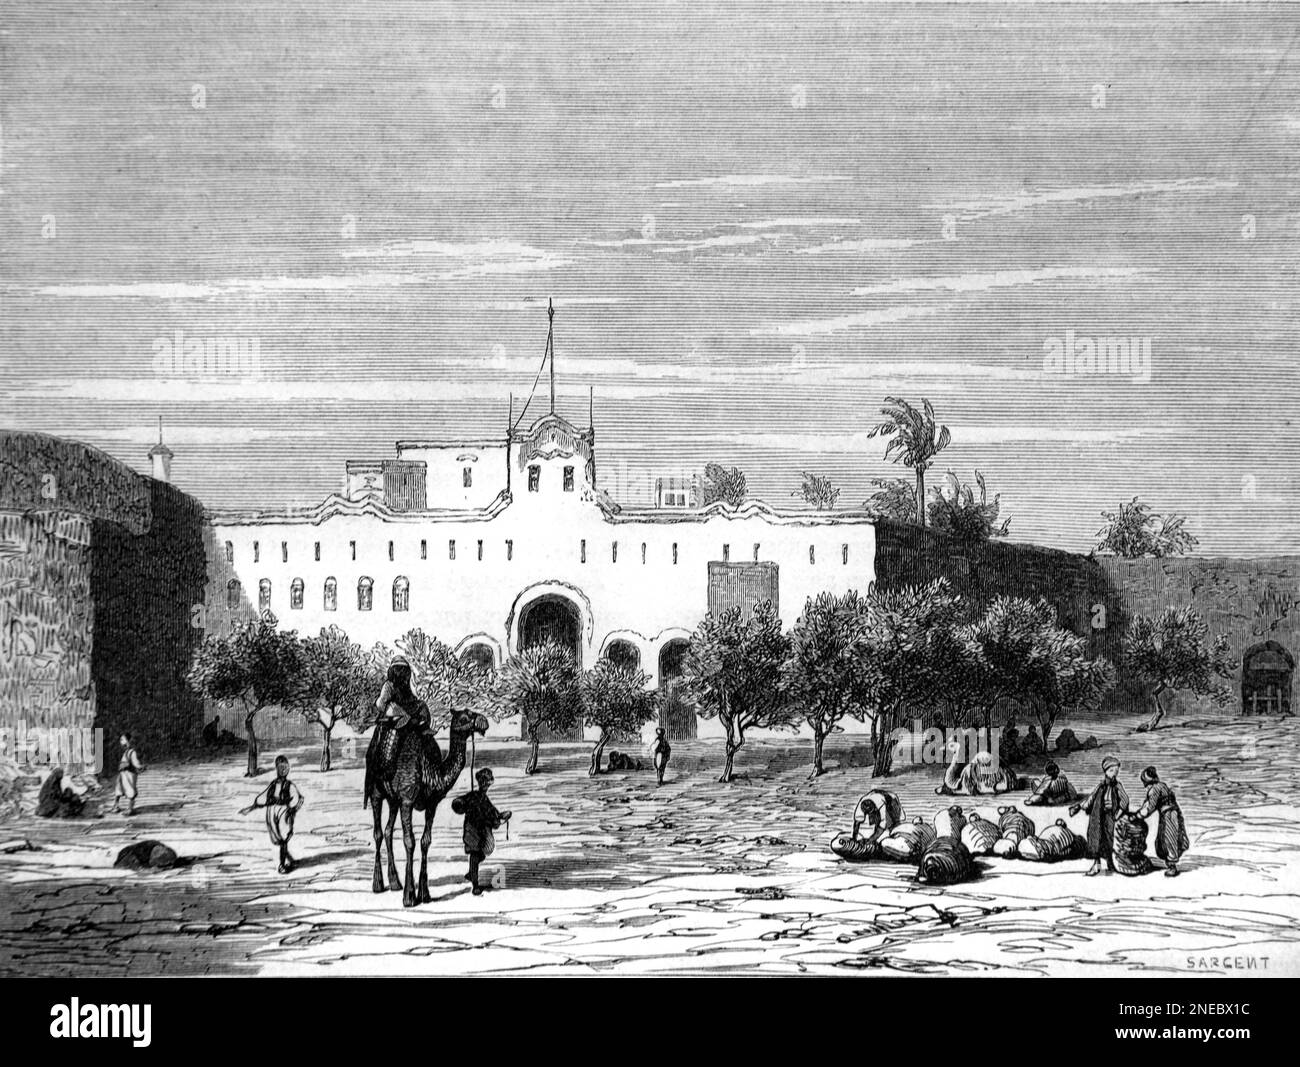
(615, 875)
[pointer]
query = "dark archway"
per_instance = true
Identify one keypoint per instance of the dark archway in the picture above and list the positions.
(480, 655)
(1266, 674)
(552, 618)
(677, 714)
(623, 654)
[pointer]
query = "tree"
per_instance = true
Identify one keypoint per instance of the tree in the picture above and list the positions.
(615, 699)
(542, 685)
(335, 684)
(1080, 683)
(445, 681)
(735, 671)
(255, 666)
(1010, 654)
(1134, 530)
(903, 628)
(1171, 652)
(894, 498)
(957, 513)
(914, 438)
(725, 485)
(817, 492)
(830, 666)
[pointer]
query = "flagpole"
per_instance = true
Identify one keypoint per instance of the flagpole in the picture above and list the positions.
(550, 345)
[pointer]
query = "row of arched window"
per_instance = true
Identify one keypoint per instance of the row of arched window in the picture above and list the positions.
(365, 594)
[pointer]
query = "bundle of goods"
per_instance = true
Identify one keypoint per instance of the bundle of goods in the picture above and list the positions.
(950, 822)
(855, 849)
(945, 862)
(979, 835)
(1013, 827)
(908, 841)
(1057, 842)
(1130, 848)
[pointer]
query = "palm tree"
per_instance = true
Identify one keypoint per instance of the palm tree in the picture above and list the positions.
(914, 440)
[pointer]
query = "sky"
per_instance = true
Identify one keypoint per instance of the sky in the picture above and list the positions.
(757, 221)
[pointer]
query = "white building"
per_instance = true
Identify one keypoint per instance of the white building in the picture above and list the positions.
(495, 545)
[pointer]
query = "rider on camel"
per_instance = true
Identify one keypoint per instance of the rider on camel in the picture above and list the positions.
(397, 705)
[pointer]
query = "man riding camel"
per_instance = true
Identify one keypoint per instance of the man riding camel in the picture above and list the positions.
(397, 704)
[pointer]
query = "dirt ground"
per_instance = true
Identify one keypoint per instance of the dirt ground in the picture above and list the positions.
(618, 876)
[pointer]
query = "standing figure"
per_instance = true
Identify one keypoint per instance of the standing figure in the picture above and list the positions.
(1052, 788)
(1171, 833)
(281, 801)
(128, 767)
(1103, 806)
(481, 818)
(662, 751)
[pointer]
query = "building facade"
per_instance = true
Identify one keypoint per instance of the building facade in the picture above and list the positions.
(493, 546)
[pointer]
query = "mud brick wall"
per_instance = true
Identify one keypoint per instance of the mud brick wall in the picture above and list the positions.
(145, 591)
(1249, 600)
(1075, 585)
(45, 623)
(100, 568)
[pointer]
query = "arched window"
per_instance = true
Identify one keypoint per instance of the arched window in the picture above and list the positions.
(331, 595)
(401, 594)
(481, 656)
(295, 594)
(264, 595)
(623, 653)
(365, 594)
(234, 593)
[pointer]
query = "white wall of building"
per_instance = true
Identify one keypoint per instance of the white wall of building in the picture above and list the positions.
(652, 589)
(446, 466)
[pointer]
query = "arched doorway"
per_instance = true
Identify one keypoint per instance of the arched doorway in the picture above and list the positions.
(676, 715)
(1266, 674)
(623, 653)
(480, 655)
(555, 618)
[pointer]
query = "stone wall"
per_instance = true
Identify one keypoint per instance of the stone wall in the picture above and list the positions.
(101, 569)
(1249, 600)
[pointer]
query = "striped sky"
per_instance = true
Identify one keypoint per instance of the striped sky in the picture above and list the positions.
(757, 221)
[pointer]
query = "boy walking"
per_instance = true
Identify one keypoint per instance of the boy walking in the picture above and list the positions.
(281, 801)
(128, 767)
(661, 753)
(481, 818)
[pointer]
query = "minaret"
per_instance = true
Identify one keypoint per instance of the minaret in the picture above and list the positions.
(161, 456)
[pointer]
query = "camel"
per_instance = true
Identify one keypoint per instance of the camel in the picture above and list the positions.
(405, 767)
(976, 777)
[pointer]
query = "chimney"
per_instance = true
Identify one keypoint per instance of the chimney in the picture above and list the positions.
(161, 457)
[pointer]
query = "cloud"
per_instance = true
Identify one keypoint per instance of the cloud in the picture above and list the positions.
(681, 244)
(864, 244)
(982, 435)
(747, 180)
(472, 259)
(980, 282)
(982, 207)
(228, 286)
(795, 222)
(854, 321)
